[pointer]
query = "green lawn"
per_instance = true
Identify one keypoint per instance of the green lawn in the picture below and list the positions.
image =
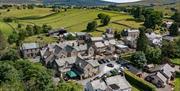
(176, 61)
(42, 39)
(6, 29)
(36, 12)
(177, 82)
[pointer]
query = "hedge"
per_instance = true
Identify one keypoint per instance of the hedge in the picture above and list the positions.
(146, 86)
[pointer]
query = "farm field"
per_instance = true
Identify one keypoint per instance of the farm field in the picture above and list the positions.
(74, 20)
(5, 28)
(36, 12)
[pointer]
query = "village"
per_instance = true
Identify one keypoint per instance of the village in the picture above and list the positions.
(97, 63)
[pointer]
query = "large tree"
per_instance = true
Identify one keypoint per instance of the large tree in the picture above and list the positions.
(142, 41)
(153, 55)
(137, 12)
(92, 26)
(3, 42)
(176, 17)
(9, 78)
(13, 38)
(34, 76)
(105, 20)
(153, 19)
(139, 59)
(171, 49)
(174, 29)
(11, 54)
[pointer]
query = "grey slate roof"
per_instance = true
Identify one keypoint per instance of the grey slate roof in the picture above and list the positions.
(94, 63)
(29, 46)
(110, 82)
(69, 60)
(99, 44)
(96, 39)
(118, 81)
(81, 47)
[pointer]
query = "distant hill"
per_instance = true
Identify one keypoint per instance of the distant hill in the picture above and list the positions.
(20, 1)
(86, 2)
(153, 2)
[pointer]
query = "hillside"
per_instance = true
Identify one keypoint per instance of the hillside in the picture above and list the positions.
(87, 2)
(74, 20)
(20, 1)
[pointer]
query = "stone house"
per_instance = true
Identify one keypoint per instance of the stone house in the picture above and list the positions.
(114, 83)
(157, 79)
(51, 52)
(154, 39)
(86, 68)
(63, 65)
(166, 70)
(30, 50)
(131, 36)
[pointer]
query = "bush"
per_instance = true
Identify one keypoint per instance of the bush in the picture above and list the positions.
(146, 86)
(8, 19)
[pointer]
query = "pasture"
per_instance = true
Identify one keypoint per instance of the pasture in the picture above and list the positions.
(74, 20)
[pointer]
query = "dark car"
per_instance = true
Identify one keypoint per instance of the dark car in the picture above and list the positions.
(110, 65)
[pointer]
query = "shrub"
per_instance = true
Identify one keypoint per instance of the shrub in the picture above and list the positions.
(146, 86)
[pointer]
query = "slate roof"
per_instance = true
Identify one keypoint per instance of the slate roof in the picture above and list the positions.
(81, 47)
(99, 44)
(96, 39)
(29, 46)
(164, 79)
(115, 82)
(118, 81)
(94, 63)
(69, 60)
(98, 85)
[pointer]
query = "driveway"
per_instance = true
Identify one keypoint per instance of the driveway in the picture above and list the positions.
(167, 88)
(103, 69)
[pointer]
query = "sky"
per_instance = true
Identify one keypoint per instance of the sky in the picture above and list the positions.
(121, 1)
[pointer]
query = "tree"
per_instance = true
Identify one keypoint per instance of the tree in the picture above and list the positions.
(105, 20)
(138, 59)
(11, 54)
(101, 15)
(142, 41)
(153, 19)
(46, 28)
(13, 38)
(153, 55)
(117, 35)
(8, 19)
(70, 37)
(169, 49)
(174, 29)
(34, 76)
(2, 41)
(30, 7)
(37, 29)
(9, 78)
(138, 12)
(92, 26)
(176, 17)
(29, 29)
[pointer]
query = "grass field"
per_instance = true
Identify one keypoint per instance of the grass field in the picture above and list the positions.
(36, 12)
(74, 20)
(5, 28)
(176, 61)
(177, 82)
